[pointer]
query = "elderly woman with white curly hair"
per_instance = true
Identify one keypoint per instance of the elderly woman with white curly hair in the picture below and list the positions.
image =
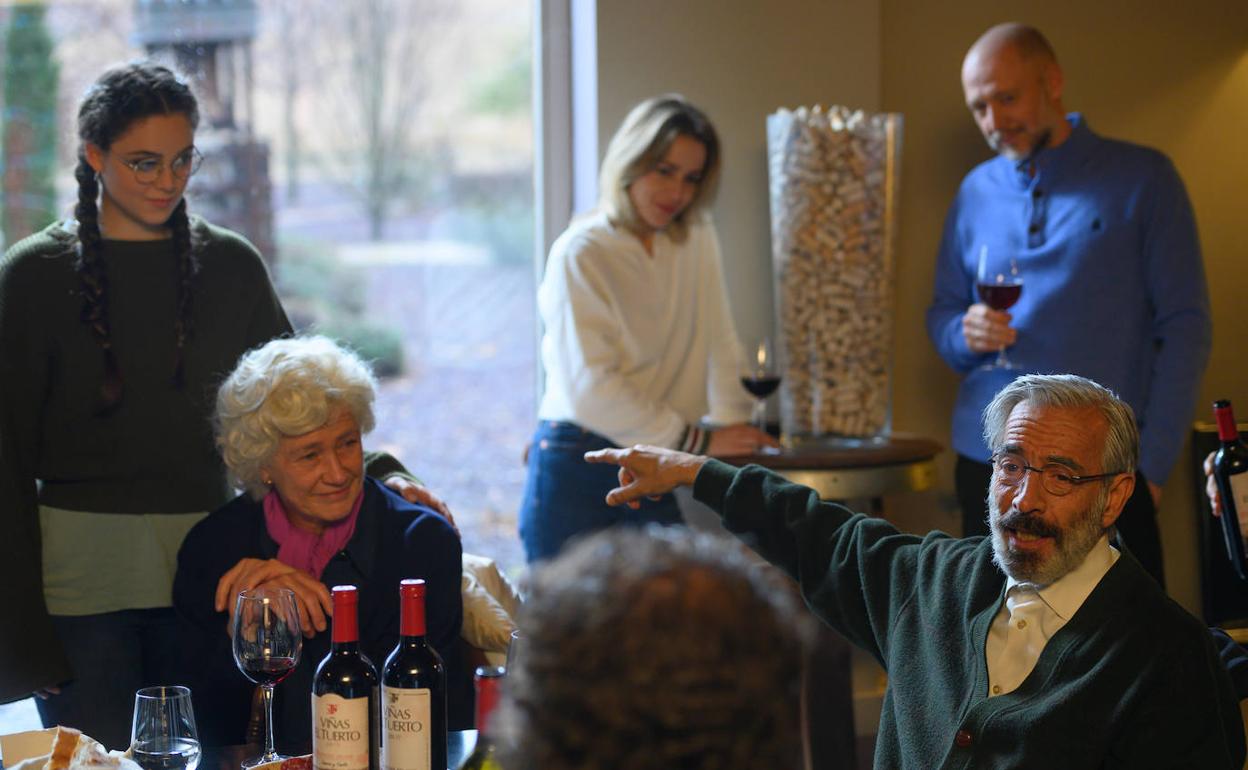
(289, 423)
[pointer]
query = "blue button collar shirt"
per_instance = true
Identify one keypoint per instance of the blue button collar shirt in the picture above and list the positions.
(1113, 283)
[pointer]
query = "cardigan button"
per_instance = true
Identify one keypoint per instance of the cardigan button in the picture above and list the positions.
(963, 739)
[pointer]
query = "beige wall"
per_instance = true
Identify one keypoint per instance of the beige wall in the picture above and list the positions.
(1169, 74)
(738, 60)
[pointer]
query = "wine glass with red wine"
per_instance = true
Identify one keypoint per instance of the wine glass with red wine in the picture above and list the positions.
(761, 377)
(999, 285)
(267, 642)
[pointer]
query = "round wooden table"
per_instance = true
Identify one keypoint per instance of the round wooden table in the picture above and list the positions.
(898, 464)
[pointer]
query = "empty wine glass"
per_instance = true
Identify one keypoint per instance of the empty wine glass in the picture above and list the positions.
(267, 642)
(164, 736)
(760, 376)
(999, 285)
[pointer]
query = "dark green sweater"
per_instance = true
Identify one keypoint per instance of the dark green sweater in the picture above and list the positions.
(154, 453)
(1132, 681)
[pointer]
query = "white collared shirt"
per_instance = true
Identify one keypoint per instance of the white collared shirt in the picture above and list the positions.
(1031, 615)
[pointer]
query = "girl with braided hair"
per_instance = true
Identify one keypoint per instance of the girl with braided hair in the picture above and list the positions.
(115, 327)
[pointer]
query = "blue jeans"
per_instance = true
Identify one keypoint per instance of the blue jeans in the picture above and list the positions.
(112, 655)
(565, 496)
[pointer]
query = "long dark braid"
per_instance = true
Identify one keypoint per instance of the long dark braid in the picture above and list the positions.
(95, 280)
(188, 266)
(120, 97)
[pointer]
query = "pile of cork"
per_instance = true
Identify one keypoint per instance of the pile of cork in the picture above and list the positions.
(833, 176)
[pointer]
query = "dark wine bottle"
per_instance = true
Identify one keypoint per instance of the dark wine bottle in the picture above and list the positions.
(489, 681)
(345, 716)
(413, 692)
(1230, 472)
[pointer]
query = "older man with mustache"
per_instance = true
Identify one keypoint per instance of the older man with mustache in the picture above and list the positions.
(1042, 645)
(1103, 236)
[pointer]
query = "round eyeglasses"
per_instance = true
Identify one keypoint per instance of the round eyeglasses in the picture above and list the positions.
(1056, 479)
(147, 170)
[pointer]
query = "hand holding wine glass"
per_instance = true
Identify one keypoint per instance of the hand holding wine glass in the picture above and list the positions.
(999, 285)
(163, 736)
(267, 643)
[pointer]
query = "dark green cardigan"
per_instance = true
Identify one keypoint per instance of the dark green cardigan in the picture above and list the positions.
(1132, 681)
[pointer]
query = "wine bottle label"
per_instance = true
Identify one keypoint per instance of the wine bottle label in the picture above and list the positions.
(340, 733)
(405, 717)
(1239, 493)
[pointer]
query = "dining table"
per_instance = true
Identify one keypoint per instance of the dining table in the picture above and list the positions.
(867, 469)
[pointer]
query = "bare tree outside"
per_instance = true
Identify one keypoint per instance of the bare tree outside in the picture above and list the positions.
(294, 70)
(373, 84)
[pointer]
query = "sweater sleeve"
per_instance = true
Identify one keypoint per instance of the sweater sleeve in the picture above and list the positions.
(268, 317)
(383, 466)
(431, 549)
(1197, 723)
(728, 401)
(855, 572)
(951, 296)
(1182, 327)
(583, 355)
(30, 652)
(222, 696)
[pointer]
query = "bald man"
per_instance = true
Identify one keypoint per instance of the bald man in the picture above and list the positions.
(1105, 243)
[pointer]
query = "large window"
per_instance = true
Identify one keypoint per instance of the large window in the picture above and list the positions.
(380, 154)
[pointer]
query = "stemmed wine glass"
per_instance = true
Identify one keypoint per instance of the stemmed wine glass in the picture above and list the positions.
(760, 376)
(267, 642)
(999, 285)
(163, 736)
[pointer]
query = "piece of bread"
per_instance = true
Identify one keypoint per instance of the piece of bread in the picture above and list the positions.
(90, 754)
(71, 750)
(64, 744)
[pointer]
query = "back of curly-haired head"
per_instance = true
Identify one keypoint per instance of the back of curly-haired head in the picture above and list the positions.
(286, 387)
(119, 98)
(656, 648)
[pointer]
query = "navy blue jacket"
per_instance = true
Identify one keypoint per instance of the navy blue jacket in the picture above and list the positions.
(393, 540)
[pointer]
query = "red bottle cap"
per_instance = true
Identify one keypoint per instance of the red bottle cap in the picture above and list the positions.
(1225, 416)
(412, 607)
(488, 682)
(346, 614)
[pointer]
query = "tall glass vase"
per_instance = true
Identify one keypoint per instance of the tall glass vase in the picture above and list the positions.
(833, 182)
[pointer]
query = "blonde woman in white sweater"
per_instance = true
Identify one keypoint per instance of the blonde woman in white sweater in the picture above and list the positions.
(639, 344)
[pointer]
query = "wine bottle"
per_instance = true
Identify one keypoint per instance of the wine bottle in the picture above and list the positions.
(489, 680)
(413, 692)
(345, 717)
(1230, 472)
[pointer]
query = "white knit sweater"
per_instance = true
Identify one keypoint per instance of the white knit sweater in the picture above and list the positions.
(637, 347)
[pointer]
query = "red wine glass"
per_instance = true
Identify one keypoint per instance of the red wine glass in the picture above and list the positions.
(267, 642)
(760, 376)
(999, 286)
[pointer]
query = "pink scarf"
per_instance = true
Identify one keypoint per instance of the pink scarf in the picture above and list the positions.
(301, 549)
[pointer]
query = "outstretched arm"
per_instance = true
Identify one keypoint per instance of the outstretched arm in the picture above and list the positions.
(647, 471)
